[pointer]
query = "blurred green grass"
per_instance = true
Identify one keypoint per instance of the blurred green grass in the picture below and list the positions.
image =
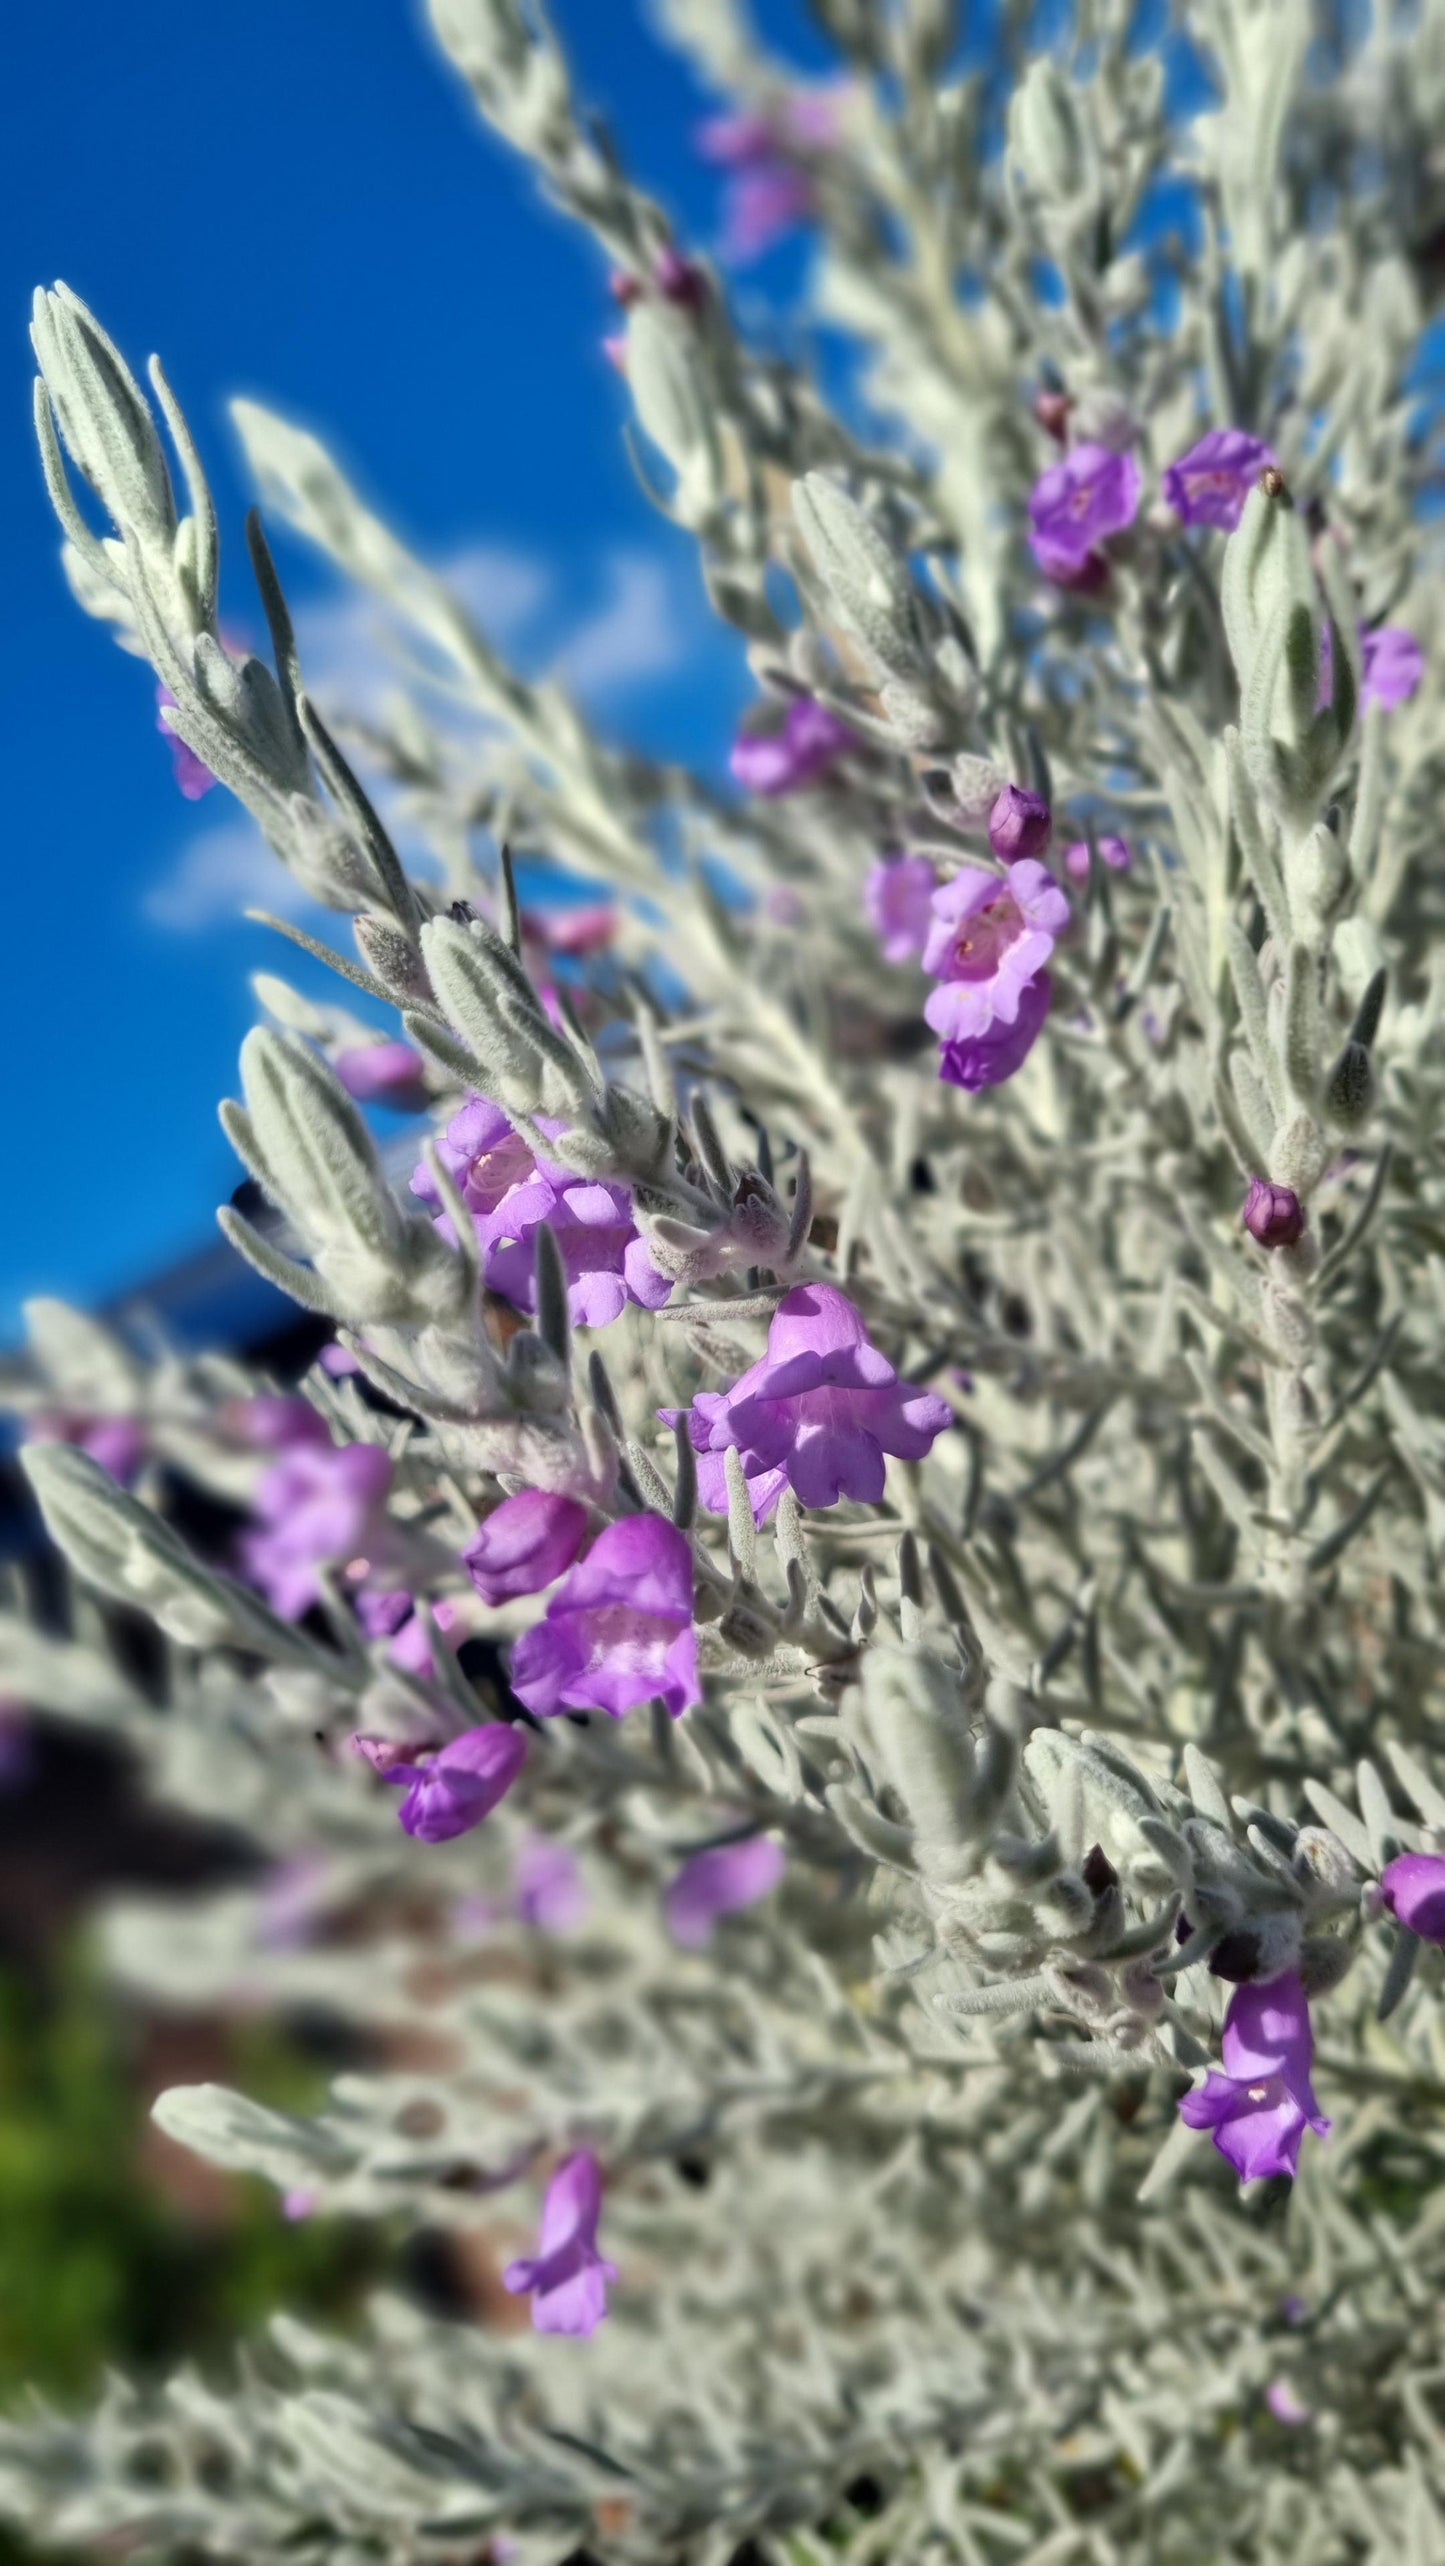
(100, 2263)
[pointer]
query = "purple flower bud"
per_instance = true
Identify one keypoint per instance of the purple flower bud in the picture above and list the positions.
(299, 2204)
(1413, 1888)
(337, 1361)
(383, 1073)
(784, 761)
(1019, 824)
(567, 2277)
(1273, 1214)
(1112, 851)
(525, 1542)
(456, 1788)
(897, 898)
(1209, 485)
(679, 279)
(619, 1631)
(717, 1882)
(1261, 2105)
(1051, 409)
(1092, 493)
(193, 776)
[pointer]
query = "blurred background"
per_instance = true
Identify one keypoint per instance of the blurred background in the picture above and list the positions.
(294, 201)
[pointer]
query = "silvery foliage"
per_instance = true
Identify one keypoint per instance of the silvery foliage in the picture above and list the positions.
(895, 2180)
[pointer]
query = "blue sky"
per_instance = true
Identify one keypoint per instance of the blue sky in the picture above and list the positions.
(293, 200)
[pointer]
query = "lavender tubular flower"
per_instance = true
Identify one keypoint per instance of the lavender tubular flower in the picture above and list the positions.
(897, 902)
(510, 1194)
(567, 2277)
(988, 943)
(525, 1543)
(1208, 486)
(1413, 1889)
(1393, 665)
(619, 1631)
(316, 1508)
(1261, 2105)
(820, 1411)
(453, 1790)
(810, 741)
(718, 1882)
(1078, 503)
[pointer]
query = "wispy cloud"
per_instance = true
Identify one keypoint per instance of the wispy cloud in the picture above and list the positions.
(639, 631)
(219, 872)
(632, 620)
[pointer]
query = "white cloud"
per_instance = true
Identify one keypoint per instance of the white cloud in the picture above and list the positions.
(643, 621)
(636, 633)
(220, 872)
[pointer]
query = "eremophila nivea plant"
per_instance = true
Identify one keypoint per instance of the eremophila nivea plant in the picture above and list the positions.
(848, 1630)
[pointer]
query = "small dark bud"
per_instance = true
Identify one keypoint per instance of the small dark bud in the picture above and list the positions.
(1273, 1214)
(1235, 1956)
(1098, 1872)
(1272, 482)
(462, 912)
(1367, 1018)
(1051, 409)
(1350, 1088)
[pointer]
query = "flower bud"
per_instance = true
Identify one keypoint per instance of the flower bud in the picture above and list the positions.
(1020, 823)
(1273, 1214)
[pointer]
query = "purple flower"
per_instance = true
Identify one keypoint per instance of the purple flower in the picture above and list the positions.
(192, 774)
(117, 1443)
(1209, 485)
(818, 1412)
(1394, 664)
(1091, 493)
(715, 1883)
(317, 1507)
(1286, 2404)
(619, 1630)
(547, 1886)
(460, 1785)
(1262, 2104)
(765, 1487)
(989, 940)
(770, 188)
(1273, 1214)
(337, 1361)
(524, 1543)
(299, 2204)
(392, 1615)
(896, 901)
(274, 1421)
(1019, 824)
(1413, 1888)
(973, 1061)
(567, 2277)
(510, 1194)
(1110, 850)
(784, 761)
(383, 1073)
